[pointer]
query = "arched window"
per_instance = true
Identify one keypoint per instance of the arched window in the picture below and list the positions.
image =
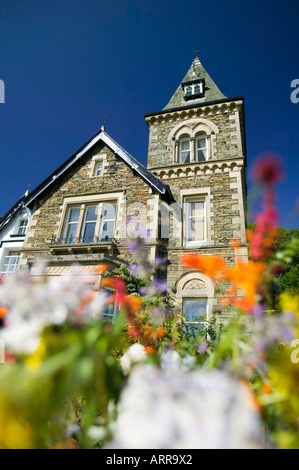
(195, 299)
(184, 150)
(201, 148)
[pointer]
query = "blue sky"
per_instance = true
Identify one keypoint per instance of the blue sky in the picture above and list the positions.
(68, 63)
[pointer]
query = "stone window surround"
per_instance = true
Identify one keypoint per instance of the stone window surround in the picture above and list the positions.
(82, 201)
(100, 157)
(202, 194)
(192, 128)
(205, 290)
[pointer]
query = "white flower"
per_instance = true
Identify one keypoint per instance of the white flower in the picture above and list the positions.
(134, 355)
(179, 410)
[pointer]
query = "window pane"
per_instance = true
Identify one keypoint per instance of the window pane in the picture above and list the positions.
(197, 88)
(23, 227)
(88, 232)
(197, 209)
(108, 221)
(201, 149)
(184, 150)
(11, 262)
(109, 210)
(71, 233)
(195, 221)
(91, 213)
(107, 231)
(196, 230)
(74, 214)
(72, 223)
(98, 169)
(195, 309)
(188, 90)
(111, 307)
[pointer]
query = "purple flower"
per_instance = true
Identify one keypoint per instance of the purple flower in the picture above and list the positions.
(133, 268)
(159, 285)
(202, 347)
(142, 291)
(132, 246)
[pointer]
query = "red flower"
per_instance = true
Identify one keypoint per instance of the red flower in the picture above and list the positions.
(267, 169)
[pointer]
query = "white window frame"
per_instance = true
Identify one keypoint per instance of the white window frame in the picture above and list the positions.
(187, 216)
(10, 254)
(22, 227)
(182, 140)
(192, 86)
(116, 197)
(198, 138)
(115, 306)
(98, 168)
(197, 194)
(81, 223)
(204, 322)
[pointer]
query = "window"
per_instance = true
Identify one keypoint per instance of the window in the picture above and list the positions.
(184, 150)
(11, 262)
(193, 90)
(90, 223)
(195, 221)
(22, 227)
(201, 148)
(193, 149)
(195, 311)
(111, 307)
(98, 168)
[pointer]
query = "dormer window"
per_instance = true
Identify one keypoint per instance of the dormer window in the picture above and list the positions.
(193, 90)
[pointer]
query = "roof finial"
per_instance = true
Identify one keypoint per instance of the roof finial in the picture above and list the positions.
(196, 54)
(103, 126)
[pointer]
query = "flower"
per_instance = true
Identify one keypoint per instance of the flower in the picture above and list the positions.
(179, 410)
(267, 169)
(211, 265)
(134, 355)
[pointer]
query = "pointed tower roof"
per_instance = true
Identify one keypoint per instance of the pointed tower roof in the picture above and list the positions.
(196, 75)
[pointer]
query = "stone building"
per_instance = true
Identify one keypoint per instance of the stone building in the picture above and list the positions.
(190, 198)
(13, 226)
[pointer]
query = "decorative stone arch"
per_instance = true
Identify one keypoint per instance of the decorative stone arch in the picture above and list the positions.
(195, 285)
(192, 128)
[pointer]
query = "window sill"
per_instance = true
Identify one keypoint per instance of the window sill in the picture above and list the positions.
(59, 246)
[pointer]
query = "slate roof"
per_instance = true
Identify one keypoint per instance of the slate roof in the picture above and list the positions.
(101, 135)
(195, 72)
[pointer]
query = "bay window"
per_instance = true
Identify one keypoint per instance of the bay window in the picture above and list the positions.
(90, 223)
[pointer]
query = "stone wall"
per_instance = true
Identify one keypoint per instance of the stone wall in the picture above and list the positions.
(78, 183)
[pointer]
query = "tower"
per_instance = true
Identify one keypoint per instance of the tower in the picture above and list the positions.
(197, 147)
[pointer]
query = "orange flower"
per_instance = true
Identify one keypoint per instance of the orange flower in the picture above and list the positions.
(150, 350)
(3, 312)
(211, 265)
(102, 268)
(133, 332)
(247, 276)
(160, 333)
(117, 284)
(133, 302)
(266, 388)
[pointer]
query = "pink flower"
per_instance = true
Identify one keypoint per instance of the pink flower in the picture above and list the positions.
(267, 169)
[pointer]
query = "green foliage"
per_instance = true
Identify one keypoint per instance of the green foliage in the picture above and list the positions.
(133, 282)
(286, 250)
